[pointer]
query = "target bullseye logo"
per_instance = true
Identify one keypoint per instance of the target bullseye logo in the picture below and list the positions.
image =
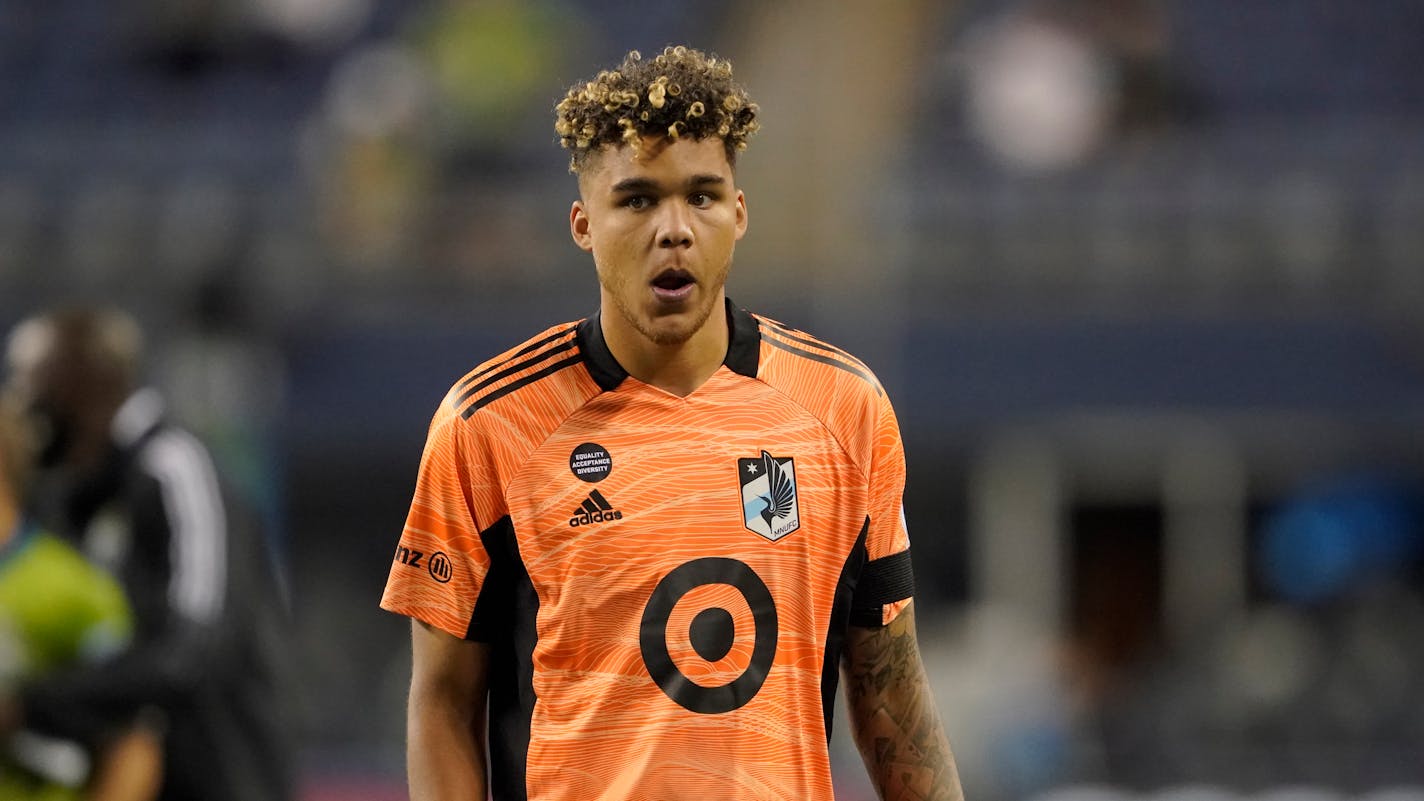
(712, 633)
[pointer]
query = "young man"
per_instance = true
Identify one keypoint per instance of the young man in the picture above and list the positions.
(643, 545)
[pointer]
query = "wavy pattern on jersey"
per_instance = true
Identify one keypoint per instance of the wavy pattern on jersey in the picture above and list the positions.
(602, 728)
(547, 354)
(500, 410)
(441, 520)
(803, 344)
(809, 339)
(483, 374)
(841, 395)
(842, 398)
(674, 479)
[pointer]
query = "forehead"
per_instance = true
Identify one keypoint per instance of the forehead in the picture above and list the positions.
(657, 159)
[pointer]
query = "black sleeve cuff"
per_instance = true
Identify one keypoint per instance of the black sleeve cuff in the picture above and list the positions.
(883, 581)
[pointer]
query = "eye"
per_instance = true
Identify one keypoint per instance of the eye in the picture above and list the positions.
(700, 199)
(638, 202)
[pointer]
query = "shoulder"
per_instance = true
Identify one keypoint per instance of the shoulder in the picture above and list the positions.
(150, 440)
(531, 382)
(173, 462)
(804, 364)
(828, 383)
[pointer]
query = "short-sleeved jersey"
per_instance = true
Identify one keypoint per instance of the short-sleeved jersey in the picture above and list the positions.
(665, 582)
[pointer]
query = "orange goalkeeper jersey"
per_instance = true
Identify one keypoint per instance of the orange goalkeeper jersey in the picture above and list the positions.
(665, 583)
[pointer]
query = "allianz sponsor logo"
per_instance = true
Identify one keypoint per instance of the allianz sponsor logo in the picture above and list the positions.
(437, 563)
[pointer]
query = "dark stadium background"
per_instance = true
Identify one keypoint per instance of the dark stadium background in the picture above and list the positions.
(1144, 279)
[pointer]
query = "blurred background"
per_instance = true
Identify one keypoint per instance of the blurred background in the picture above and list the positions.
(1144, 279)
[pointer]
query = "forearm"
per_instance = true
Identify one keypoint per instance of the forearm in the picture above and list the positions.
(130, 767)
(445, 757)
(445, 717)
(893, 716)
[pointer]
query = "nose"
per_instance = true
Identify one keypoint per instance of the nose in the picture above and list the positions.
(674, 226)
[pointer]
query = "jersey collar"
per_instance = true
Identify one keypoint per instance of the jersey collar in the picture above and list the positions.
(743, 348)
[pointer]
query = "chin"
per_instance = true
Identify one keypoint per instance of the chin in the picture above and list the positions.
(668, 334)
(668, 327)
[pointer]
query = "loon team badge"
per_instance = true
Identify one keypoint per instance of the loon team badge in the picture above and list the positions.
(769, 505)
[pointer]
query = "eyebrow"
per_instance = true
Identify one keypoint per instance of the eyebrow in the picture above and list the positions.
(648, 184)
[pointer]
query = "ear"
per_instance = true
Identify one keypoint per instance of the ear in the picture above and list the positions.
(741, 214)
(578, 226)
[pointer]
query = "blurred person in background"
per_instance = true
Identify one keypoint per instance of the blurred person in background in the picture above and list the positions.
(142, 498)
(59, 611)
(1052, 83)
(645, 546)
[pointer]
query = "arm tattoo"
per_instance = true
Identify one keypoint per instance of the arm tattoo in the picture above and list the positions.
(893, 715)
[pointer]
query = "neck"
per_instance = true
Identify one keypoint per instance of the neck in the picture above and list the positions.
(678, 369)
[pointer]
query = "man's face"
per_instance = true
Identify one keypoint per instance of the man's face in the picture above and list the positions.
(661, 224)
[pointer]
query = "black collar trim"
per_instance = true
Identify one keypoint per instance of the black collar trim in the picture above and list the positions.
(744, 341)
(743, 348)
(602, 367)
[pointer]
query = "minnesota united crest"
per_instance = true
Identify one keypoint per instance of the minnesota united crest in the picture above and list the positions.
(769, 505)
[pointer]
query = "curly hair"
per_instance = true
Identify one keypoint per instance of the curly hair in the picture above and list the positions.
(680, 92)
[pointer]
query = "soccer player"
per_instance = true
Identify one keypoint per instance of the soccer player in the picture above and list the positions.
(142, 498)
(645, 546)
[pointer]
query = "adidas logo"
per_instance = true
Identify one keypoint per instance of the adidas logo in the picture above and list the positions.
(594, 509)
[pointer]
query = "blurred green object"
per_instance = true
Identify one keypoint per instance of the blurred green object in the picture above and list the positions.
(56, 610)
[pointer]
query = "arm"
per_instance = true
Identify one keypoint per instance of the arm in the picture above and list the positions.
(893, 717)
(130, 768)
(445, 717)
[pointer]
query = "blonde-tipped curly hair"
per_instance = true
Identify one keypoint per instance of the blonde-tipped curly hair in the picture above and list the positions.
(681, 92)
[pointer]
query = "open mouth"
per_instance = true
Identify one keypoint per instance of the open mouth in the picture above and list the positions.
(673, 284)
(672, 280)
